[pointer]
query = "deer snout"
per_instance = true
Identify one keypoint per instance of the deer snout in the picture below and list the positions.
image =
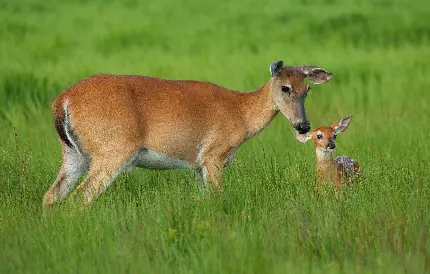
(303, 127)
(331, 145)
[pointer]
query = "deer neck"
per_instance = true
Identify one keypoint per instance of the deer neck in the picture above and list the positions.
(257, 109)
(326, 167)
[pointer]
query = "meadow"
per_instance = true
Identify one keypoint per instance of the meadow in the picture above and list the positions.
(268, 219)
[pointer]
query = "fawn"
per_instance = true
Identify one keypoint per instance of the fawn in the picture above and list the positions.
(337, 170)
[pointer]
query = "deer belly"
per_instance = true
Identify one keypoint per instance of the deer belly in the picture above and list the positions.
(150, 159)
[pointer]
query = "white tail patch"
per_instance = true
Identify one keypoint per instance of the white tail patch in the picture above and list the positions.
(68, 127)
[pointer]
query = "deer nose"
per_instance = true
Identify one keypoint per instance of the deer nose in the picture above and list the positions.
(331, 145)
(303, 127)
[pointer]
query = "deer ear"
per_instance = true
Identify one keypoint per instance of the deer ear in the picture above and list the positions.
(276, 67)
(316, 75)
(302, 138)
(341, 125)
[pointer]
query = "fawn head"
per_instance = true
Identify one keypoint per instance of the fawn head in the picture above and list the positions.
(289, 90)
(324, 137)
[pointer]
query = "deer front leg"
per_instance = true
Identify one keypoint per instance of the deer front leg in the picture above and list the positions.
(316, 185)
(211, 172)
(319, 180)
(337, 184)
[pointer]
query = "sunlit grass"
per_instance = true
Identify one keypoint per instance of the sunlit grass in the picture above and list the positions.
(268, 219)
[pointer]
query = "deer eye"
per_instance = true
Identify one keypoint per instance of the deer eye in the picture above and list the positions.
(286, 89)
(319, 136)
(334, 137)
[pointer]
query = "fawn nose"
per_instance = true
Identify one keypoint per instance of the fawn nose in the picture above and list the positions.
(331, 145)
(303, 127)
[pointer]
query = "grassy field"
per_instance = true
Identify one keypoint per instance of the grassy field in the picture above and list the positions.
(268, 220)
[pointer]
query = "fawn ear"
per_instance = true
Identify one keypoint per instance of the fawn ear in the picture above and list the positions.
(316, 75)
(302, 138)
(276, 67)
(341, 125)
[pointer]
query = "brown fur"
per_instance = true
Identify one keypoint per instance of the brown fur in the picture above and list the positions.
(114, 116)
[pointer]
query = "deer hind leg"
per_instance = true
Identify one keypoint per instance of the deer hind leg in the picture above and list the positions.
(73, 166)
(104, 170)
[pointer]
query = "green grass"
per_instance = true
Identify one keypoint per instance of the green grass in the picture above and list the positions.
(268, 220)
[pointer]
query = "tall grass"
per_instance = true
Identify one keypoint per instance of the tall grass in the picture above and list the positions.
(268, 218)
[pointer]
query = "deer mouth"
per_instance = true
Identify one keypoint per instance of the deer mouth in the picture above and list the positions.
(302, 128)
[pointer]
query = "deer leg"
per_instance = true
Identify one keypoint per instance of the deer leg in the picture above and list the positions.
(316, 185)
(74, 164)
(337, 184)
(104, 170)
(211, 172)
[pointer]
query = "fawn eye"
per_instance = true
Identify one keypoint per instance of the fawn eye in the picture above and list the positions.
(319, 136)
(286, 89)
(334, 137)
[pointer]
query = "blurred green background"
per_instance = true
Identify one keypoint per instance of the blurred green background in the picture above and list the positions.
(268, 218)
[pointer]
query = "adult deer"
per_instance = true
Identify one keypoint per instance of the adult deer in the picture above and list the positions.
(110, 122)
